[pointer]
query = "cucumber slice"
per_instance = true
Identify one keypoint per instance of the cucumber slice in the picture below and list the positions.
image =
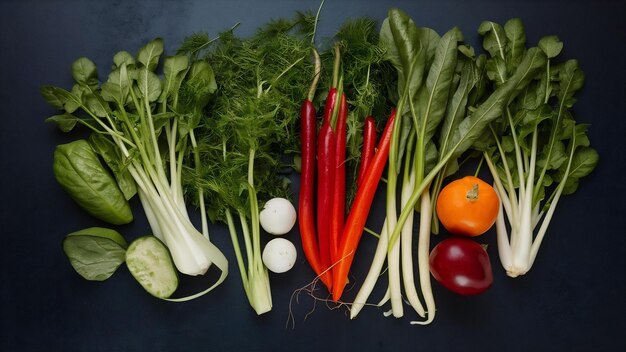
(150, 263)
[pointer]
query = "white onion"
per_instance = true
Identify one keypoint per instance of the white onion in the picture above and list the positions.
(279, 255)
(278, 216)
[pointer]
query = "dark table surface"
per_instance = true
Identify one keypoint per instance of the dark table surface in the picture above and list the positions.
(574, 299)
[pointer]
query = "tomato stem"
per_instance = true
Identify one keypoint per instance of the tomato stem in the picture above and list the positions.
(472, 194)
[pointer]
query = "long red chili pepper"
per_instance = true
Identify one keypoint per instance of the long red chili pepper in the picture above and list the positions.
(306, 201)
(330, 105)
(355, 223)
(339, 189)
(308, 140)
(369, 147)
(325, 184)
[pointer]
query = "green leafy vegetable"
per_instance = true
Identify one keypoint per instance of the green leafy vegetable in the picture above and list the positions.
(435, 88)
(142, 123)
(95, 253)
(536, 152)
(79, 171)
(250, 126)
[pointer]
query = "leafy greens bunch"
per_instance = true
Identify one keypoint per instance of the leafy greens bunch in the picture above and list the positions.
(248, 129)
(535, 150)
(142, 126)
(438, 77)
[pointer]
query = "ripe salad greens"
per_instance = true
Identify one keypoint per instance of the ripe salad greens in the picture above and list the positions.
(142, 125)
(535, 150)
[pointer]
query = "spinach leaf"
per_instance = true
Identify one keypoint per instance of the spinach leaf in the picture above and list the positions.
(95, 253)
(81, 174)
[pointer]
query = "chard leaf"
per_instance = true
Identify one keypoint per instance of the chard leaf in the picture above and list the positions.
(480, 80)
(66, 122)
(117, 88)
(174, 68)
(95, 105)
(494, 38)
(429, 40)
(471, 128)
(583, 162)
(400, 39)
(431, 156)
(485, 142)
(551, 46)
(508, 145)
(496, 70)
(123, 58)
(84, 72)
(563, 125)
(532, 118)
(161, 119)
(580, 129)
(456, 107)
(516, 42)
(467, 51)
(557, 156)
(150, 53)
(533, 96)
(149, 84)
(75, 98)
(547, 180)
(201, 83)
(439, 81)
(572, 80)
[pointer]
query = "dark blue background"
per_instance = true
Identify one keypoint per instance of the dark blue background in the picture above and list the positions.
(574, 299)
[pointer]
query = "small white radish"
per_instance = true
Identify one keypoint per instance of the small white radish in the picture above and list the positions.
(278, 216)
(279, 255)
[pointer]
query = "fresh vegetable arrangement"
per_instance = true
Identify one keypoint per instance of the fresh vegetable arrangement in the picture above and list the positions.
(217, 124)
(140, 125)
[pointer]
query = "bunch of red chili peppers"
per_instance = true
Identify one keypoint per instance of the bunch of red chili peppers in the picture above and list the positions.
(329, 239)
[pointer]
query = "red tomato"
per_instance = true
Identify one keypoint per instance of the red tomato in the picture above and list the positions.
(468, 206)
(461, 265)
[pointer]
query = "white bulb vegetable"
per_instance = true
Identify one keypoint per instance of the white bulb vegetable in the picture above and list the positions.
(278, 216)
(279, 255)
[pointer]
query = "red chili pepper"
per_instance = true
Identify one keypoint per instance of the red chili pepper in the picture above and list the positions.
(339, 189)
(355, 223)
(325, 183)
(369, 147)
(330, 105)
(308, 140)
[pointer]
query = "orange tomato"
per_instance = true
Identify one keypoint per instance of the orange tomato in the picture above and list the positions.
(468, 206)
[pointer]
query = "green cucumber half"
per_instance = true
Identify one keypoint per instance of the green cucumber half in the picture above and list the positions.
(150, 263)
